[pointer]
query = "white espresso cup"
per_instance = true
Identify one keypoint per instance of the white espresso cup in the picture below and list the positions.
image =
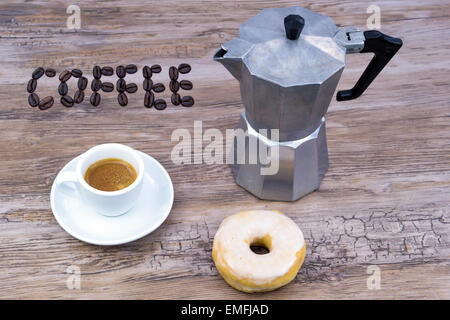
(107, 203)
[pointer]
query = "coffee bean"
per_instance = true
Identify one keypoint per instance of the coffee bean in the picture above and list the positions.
(96, 85)
(131, 68)
(121, 85)
(97, 72)
(176, 99)
(159, 87)
(107, 71)
(149, 99)
(148, 84)
(131, 88)
(77, 73)
(184, 68)
(156, 68)
(63, 89)
(50, 72)
(186, 85)
(33, 100)
(173, 73)
(46, 103)
(187, 101)
(122, 99)
(107, 87)
(65, 75)
(82, 83)
(160, 104)
(67, 101)
(121, 72)
(39, 72)
(174, 86)
(78, 97)
(95, 99)
(147, 72)
(31, 86)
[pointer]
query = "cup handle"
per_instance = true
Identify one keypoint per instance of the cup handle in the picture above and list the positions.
(68, 181)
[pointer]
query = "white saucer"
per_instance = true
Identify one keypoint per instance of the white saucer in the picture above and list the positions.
(150, 211)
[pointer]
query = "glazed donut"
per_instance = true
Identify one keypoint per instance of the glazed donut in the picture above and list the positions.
(247, 271)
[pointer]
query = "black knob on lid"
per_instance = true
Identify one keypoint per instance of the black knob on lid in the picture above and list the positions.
(293, 24)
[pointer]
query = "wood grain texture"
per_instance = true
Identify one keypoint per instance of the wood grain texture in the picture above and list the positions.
(385, 200)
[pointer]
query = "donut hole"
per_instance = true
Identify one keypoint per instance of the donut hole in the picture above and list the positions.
(258, 249)
(261, 245)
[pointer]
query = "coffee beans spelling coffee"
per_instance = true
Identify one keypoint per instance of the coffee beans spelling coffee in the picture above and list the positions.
(121, 85)
(107, 87)
(97, 72)
(174, 86)
(121, 72)
(46, 103)
(77, 73)
(107, 71)
(31, 86)
(49, 72)
(67, 101)
(147, 72)
(78, 97)
(33, 100)
(156, 68)
(96, 85)
(175, 99)
(95, 99)
(149, 99)
(65, 75)
(147, 84)
(173, 73)
(38, 73)
(122, 99)
(160, 104)
(63, 89)
(159, 87)
(131, 88)
(187, 101)
(186, 85)
(82, 83)
(184, 68)
(131, 68)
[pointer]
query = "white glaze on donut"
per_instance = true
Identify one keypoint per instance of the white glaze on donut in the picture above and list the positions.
(233, 256)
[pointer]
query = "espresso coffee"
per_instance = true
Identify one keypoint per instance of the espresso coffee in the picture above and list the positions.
(111, 174)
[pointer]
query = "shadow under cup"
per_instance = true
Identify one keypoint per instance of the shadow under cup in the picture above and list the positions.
(110, 203)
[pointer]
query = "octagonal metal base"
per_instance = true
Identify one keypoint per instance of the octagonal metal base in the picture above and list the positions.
(302, 164)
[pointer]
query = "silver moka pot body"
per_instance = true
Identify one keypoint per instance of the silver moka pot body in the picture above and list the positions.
(288, 62)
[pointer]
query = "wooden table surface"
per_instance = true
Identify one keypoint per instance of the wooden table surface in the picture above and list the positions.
(384, 202)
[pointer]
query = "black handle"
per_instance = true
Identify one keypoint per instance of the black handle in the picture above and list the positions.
(384, 47)
(293, 25)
